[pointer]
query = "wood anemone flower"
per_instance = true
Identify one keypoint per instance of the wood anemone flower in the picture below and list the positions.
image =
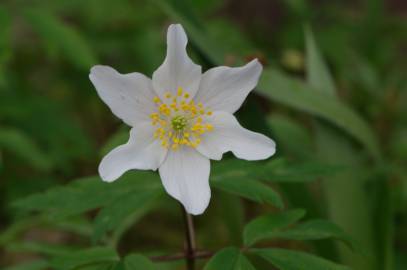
(180, 119)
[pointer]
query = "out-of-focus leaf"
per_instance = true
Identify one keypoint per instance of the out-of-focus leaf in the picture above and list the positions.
(5, 49)
(265, 227)
(318, 75)
(42, 248)
(341, 185)
(279, 170)
(290, 136)
(229, 259)
(198, 36)
(134, 204)
(275, 170)
(94, 255)
(22, 146)
(294, 93)
(88, 193)
(62, 38)
(35, 265)
(232, 211)
(295, 260)
(118, 138)
(315, 230)
(137, 261)
(248, 188)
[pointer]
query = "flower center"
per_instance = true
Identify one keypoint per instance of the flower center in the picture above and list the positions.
(179, 120)
(179, 123)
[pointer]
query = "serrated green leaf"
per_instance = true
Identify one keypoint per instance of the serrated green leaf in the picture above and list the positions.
(229, 259)
(265, 227)
(279, 170)
(137, 261)
(279, 87)
(315, 230)
(296, 260)
(248, 188)
(86, 194)
(94, 255)
(61, 37)
(134, 204)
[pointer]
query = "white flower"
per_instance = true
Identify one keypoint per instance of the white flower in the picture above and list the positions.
(180, 119)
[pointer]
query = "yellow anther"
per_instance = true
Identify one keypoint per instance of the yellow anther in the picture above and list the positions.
(179, 121)
(184, 141)
(209, 127)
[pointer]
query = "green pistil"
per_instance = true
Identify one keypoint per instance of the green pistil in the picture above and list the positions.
(179, 123)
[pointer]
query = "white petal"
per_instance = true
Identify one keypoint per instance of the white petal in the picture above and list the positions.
(129, 96)
(178, 70)
(185, 176)
(141, 152)
(225, 88)
(229, 135)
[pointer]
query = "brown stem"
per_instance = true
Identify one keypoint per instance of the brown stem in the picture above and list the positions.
(190, 240)
(181, 256)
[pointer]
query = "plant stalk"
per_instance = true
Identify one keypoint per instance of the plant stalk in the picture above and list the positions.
(190, 240)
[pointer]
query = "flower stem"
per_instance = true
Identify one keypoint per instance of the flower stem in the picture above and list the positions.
(190, 240)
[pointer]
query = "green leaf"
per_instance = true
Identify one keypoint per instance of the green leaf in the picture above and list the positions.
(35, 265)
(248, 188)
(86, 194)
(5, 44)
(265, 227)
(295, 260)
(315, 230)
(137, 261)
(229, 259)
(134, 204)
(294, 93)
(279, 170)
(318, 75)
(41, 248)
(90, 256)
(292, 137)
(25, 148)
(352, 213)
(232, 211)
(62, 38)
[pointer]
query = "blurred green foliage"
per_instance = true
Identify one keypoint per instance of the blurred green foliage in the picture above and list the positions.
(333, 95)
